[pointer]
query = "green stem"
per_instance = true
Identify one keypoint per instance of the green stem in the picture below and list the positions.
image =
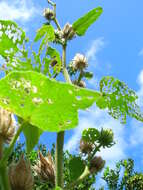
(59, 159)
(60, 135)
(4, 178)
(10, 148)
(57, 24)
(1, 147)
(83, 176)
(65, 72)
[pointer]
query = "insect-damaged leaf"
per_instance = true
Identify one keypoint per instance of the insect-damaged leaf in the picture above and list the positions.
(53, 106)
(11, 37)
(82, 24)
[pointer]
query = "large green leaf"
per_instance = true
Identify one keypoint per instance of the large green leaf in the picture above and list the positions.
(82, 24)
(32, 135)
(11, 37)
(76, 168)
(45, 103)
(53, 106)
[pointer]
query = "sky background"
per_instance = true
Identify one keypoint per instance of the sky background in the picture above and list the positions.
(113, 46)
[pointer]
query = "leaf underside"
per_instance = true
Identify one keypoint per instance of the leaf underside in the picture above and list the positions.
(53, 106)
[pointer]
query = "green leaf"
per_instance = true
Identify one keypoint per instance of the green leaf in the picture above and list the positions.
(76, 167)
(47, 31)
(54, 56)
(53, 106)
(82, 24)
(57, 188)
(90, 135)
(11, 37)
(50, 105)
(120, 100)
(88, 75)
(32, 135)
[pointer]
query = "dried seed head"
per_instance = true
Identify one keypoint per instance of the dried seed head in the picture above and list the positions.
(59, 37)
(48, 14)
(80, 84)
(79, 62)
(96, 164)
(20, 175)
(68, 32)
(85, 147)
(7, 125)
(45, 168)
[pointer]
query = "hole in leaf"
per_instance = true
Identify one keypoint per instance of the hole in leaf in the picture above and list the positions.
(50, 101)
(78, 97)
(34, 89)
(37, 100)
(69, 122)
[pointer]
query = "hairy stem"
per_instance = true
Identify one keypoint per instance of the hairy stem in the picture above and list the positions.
(83, 176)
(59, 159)
(57, 24)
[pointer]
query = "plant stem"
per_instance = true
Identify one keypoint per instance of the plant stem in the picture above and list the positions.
(10, 148)
(57, 24)
(59, 159)
(84, 175)
(60, 135)
(1, 147)
(4, 178)
(65, 72)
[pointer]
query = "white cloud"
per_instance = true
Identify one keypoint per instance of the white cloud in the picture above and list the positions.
(95, 47)
(22, 10)
(140, 52)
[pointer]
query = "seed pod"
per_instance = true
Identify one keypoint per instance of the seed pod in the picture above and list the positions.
(20, 175)
(48, 14)
(85, 147)
(96, 164)
(80, 84)
(79, 62)
(45, 168)
(68, 32)
(7, 128)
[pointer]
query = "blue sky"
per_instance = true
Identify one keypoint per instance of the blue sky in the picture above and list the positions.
(114, 46)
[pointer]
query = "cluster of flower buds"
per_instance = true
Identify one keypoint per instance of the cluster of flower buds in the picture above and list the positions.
(45, 168)
(7, 126)
(79, 62)
(85, 147)
(106, 138)
(80, 83)
(49, 14)
(96, 164)
(68, 32)
(20, 175)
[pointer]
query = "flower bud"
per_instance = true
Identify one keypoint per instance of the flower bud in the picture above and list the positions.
(79, 62)
(68, 32)
(20, 175)
(80, 84)
(96, 164)
(7, 128)
(85, 147)
(48, 14)
(45, 168)
(106, 138)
